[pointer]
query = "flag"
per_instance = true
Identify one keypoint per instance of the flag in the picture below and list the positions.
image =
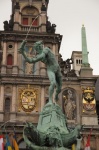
(8, 145)
(1, 143)
(15, 145)
(73, 147)
(88, 142)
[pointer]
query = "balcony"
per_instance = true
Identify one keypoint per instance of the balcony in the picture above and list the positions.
(27, 28)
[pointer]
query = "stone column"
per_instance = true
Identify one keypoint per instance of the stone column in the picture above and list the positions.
(36, 71)
(21, 64)
(2, 103)
(3, 68)
(97, 142)
(14, 102)
(43, 21)
(16, 19)
(42, 97)
(42, 69)
(54, 49)
(15, 65)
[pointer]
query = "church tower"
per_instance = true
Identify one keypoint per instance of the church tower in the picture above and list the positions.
(29, 13)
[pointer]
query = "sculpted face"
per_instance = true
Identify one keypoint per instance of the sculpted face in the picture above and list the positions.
(38, 46)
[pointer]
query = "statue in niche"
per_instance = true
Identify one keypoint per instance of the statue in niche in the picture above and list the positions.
(69, 105)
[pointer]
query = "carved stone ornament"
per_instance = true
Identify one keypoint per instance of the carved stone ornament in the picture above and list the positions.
(28, 98)
(89, 102)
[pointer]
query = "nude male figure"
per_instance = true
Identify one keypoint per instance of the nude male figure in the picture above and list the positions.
(45, 55)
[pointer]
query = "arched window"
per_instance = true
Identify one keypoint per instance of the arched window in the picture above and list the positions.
(76, 61)
(7, 104)
(9, 59)
(29, 16)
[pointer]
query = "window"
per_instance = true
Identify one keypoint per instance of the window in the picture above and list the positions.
(34, 22)
(76, 61)
(10, 46)
(25, 21)
(7, 104)
(9, 59)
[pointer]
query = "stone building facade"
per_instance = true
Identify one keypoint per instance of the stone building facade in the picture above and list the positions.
(24, 87)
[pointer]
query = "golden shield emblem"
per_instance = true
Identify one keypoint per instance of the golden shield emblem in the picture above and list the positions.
(89, 103)
(28, 99)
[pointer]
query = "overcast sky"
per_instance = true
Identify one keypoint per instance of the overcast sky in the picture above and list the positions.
(69, 15)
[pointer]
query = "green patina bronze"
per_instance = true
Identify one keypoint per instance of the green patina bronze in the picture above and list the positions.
(52, 132)
(85, 62)
(53, 70)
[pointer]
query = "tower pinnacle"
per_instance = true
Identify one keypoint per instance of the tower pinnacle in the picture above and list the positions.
(85, 62)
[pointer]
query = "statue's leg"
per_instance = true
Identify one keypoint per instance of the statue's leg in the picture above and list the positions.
(52, 79)
(58, 84)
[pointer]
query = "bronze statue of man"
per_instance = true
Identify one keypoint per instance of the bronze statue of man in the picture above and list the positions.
(45, 55)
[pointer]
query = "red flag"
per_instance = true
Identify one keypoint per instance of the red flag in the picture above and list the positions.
(1, 143)
(88, 141)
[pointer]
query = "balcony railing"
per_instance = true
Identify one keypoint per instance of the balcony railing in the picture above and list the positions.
(26, 28)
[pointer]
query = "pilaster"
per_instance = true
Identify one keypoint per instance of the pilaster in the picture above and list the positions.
(54, 49)
(42, 69)
(43, 21)
(16, 19)
(3, 67)
(97, 142)
(2, 103)
(14, 102)
(15, 66)
(42, 97)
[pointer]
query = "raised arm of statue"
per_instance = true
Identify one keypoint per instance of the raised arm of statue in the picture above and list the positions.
(45, 55)
(30, 60)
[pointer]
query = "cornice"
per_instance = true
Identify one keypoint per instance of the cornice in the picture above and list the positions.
(32, 37)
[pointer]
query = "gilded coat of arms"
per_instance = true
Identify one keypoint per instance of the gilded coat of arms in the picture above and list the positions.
(28, 98)
(89, 103)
